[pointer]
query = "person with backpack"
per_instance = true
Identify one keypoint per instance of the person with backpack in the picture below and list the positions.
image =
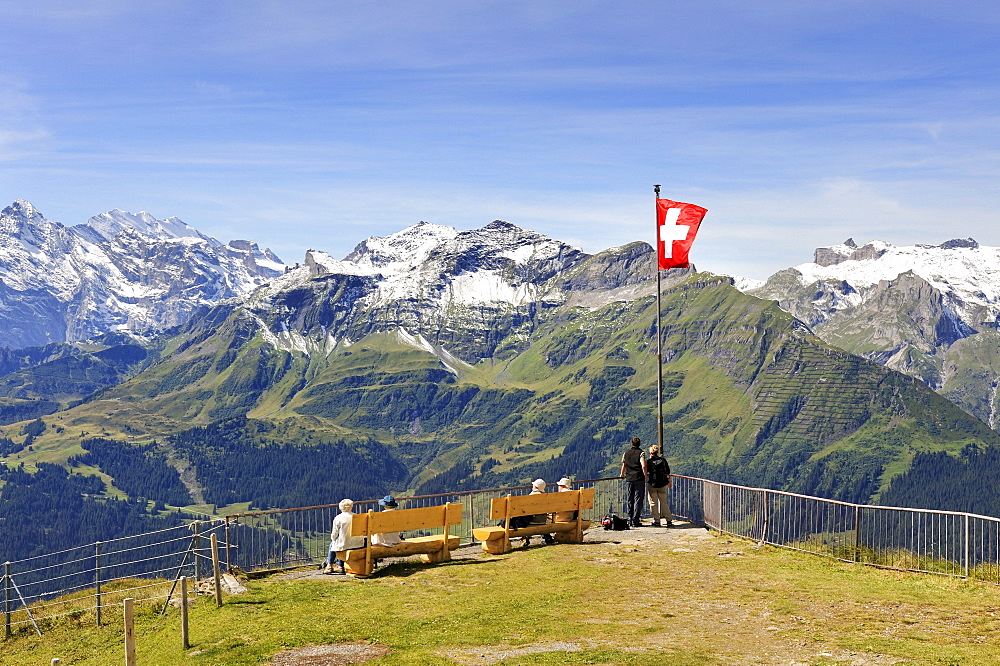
(657, 482)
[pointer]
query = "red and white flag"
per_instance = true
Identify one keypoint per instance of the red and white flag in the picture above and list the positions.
(676, 226)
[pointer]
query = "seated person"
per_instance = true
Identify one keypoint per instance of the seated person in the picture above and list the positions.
(565, 485)
(340, 538)
(388, 503)
(537, 488)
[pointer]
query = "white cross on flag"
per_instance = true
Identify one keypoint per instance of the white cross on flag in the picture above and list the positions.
(676, 226)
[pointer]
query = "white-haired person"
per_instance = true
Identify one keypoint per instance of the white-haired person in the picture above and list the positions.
(537, 488)
(565, 485)
(340, 537)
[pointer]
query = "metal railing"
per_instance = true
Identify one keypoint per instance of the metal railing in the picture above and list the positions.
(282, 538)
(83, 581)
(922, 540)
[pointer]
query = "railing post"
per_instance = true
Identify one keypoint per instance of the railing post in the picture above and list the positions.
(857, 532)
(472, 517)
(766, 515)
(229, 564)
(6, 598)
(195, 547)
(97, 580)
(215, 571)
(965, 558)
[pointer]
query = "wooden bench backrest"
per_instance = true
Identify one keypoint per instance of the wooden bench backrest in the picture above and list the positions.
(402, 520)
(529, 505)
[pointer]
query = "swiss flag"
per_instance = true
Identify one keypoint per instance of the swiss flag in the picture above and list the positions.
(676, 226)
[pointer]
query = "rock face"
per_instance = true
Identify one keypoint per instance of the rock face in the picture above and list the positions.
(117, 272)
(909, 308)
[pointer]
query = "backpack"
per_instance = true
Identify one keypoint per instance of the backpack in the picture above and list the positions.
(659, 472)
(612, 522)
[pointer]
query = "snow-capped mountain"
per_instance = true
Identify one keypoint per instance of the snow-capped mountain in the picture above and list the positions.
(437, 285)
(500, 263)
(931, 311)
(117, 271)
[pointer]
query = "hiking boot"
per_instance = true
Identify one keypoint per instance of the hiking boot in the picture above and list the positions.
(656, 523)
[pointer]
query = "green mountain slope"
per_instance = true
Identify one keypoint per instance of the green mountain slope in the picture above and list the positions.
(750, 396)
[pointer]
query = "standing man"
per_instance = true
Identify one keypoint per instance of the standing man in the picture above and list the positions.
(634, 473)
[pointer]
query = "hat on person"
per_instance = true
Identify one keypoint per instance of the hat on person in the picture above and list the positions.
(388, 501)
(346, 504)
(538, 484)
(565, 482)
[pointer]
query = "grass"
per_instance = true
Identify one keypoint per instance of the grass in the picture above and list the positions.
(692, 600)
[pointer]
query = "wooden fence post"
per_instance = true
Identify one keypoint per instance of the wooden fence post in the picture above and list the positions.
(129, 632)
(185, 643)
(215, 569)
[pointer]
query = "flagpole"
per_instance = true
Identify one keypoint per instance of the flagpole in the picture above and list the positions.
(659, 336)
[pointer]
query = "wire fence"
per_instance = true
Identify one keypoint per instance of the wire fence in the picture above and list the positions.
(81, 582)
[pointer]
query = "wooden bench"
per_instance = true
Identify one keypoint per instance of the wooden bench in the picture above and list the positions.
(435, 548)
(496, 540)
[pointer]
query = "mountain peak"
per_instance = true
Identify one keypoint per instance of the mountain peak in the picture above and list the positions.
(956, 243)
(849, 251)
(24, 229)
(21, 208)
(502, 224)
(410, 246)
(110, 224)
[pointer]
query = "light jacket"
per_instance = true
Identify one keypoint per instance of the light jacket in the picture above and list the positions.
(340, 538)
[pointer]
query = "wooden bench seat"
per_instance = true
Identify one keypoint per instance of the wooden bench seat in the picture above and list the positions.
(496, 540)
(360, 562)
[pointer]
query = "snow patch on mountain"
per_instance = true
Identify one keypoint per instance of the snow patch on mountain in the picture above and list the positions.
(418, 341)
(747, 284)
(489, 286)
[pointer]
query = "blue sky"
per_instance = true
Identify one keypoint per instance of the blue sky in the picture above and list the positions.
(316, 124)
